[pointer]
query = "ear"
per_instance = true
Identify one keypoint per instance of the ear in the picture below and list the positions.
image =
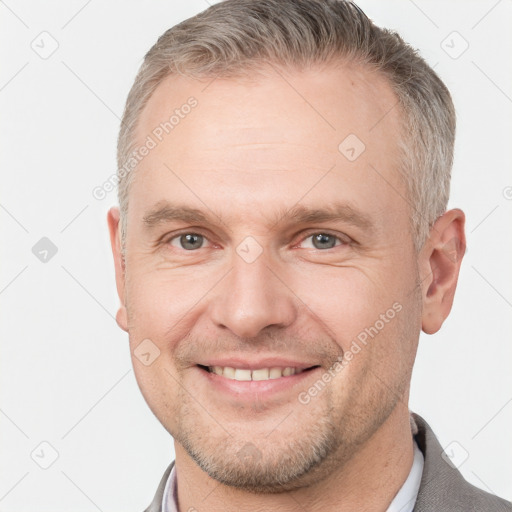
(439, 264)
(113, 218)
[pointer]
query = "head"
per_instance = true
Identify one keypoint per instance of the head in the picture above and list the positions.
(285, 206)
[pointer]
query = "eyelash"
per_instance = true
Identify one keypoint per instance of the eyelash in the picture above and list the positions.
(303, 238)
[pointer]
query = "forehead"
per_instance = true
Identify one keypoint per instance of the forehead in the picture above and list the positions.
(317, 133)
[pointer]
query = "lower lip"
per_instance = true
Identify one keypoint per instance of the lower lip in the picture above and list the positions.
(256, 389)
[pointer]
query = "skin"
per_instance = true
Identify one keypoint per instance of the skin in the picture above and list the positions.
(248, 153)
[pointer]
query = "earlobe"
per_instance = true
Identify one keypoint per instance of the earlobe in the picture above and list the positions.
(440, 261)
(121, 318)
(113, 219)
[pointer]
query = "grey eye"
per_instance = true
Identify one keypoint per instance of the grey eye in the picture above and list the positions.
(324, 241)
(321, 241)
(188, 241)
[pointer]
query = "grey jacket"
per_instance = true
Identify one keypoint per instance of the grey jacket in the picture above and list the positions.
(442, 489)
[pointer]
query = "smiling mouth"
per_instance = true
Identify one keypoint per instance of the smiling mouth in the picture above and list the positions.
(259, 374)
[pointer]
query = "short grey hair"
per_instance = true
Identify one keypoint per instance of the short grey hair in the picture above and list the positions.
(236, 37)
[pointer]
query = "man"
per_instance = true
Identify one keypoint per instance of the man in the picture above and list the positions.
(281, 241)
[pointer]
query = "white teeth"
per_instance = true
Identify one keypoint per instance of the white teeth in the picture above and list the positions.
(259, 374)
(275, 373)
(228, 372)
(242, 374)
(217, 370)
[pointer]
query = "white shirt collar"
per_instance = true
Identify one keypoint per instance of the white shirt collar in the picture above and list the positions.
(406, 497)
(169, 502)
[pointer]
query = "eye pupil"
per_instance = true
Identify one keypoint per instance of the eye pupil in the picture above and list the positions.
(324, 241)
(191, 241)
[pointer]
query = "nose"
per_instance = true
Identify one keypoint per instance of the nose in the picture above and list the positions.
(251, 298)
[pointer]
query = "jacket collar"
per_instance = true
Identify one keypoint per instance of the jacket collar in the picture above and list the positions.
(442, 486)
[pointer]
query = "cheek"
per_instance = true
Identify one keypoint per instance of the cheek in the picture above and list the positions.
(159, 389)
(371, 315)
(344, 301)
(160, 301)
(163, 307)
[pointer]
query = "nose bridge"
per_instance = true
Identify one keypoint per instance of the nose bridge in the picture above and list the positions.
(251, 297)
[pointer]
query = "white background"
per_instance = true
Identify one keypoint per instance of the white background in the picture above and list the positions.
(65, 370)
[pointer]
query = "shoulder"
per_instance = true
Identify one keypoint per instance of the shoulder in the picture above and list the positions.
(156, 504)
(442, 485)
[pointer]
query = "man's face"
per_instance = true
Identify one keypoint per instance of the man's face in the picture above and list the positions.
(258, 284)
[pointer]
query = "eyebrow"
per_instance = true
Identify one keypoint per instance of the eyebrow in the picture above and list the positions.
(164, 212)
(334, 212)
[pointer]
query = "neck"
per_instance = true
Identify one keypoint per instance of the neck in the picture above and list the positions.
(368, 481)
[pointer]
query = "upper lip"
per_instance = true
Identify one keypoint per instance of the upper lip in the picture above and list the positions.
(255, 364)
